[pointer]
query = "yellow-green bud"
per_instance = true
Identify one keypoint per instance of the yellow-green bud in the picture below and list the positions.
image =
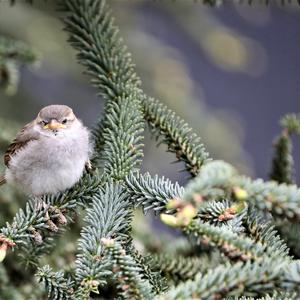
(3, 249)
(186, 214)
(189, 211)
(169, 220)
(240, 193)
(174, 203)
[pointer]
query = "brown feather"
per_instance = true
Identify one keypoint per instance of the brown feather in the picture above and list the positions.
(12, 149)
(24, 136)
(2, 180)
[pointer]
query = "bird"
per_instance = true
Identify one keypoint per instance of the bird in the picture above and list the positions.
(49, 154)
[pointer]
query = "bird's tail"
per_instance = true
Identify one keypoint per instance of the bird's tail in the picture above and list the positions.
(2, 180)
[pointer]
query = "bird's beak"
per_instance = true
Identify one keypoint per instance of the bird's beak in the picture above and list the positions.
(53, 125)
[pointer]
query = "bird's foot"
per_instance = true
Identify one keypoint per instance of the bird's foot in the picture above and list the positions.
(89, 167)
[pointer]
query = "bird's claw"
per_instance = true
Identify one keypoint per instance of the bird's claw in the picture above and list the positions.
(89, 167)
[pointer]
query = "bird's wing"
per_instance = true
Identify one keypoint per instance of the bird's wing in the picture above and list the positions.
(24, 136)
(2, 180)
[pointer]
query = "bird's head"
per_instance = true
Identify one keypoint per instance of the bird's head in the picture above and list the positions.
(56, 118)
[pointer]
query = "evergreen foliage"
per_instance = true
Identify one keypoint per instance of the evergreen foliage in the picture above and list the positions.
(151, 271)
(176, 134)
(108, 217)
(12, 54)
(151, 193)
(283, 163)
(122, 151)
(45, 217)
(179, 268)
(247, 279)
(228, 219)
(127, 273)
(58, 287)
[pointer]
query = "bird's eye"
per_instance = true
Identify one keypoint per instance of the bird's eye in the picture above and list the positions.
(64, 121)
(44, 123)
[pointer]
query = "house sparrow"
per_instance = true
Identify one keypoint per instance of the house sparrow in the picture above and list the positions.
(49, 154)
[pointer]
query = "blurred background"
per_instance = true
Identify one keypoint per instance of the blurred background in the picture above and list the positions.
(231, 72)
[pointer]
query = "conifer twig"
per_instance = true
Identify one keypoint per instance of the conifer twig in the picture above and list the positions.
(283, 164)
(57, 286)
(179, 268)
(13, 53)
(236, 247)
(40, 219)
(151, 193)
(127, 273)
(178, 136)
(240, 279)
(108, 217)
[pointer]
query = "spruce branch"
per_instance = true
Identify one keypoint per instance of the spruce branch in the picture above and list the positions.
(290, 234)
(223, 213)
(236, 247)
(16, 50)
(118, 140)
(122, 150)
(155, 194)
(9, 76)
(100, 49)
(118, 136)
(108, 217)
(12, 54)
(33, 218)
(57, 286)
(127, 273)
(41, 243)
(238, 280)
(264, 232)
(151, 271)
(49, 214)
(211, 183)
(219, 180)
(291, 123)
(279, 199)
(161, 195)
(264, 241)
(151, 193)
(283, 164)
(176, 134)
(179, 268)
